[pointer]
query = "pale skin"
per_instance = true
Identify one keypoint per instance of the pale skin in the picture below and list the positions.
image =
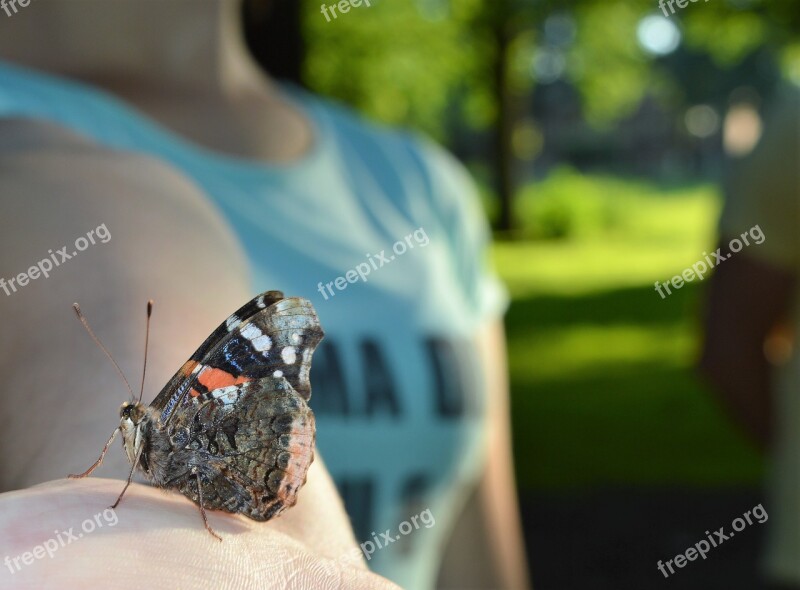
(226, 105)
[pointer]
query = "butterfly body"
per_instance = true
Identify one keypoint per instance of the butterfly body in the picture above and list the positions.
(232, 430)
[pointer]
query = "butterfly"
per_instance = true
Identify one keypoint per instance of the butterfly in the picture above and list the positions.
(232, 430)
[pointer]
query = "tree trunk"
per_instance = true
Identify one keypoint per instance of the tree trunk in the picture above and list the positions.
(503, 157)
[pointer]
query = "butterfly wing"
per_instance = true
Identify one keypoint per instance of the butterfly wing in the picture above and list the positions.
(253, 444)
(270, 336)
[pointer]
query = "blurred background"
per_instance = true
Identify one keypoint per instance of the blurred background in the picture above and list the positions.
(599, 133)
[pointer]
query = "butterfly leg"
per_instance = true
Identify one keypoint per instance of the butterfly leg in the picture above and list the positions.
(202, 508)
(130, 477)
(97, 463)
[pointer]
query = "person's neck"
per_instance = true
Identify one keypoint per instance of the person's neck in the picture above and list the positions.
(183, 62)
(130, 46)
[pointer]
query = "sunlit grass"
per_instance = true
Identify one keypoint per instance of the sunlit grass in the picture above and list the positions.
(603, 387)
(590, 352)
(622, 234)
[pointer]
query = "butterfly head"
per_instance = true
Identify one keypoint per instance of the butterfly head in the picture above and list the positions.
(132, 417)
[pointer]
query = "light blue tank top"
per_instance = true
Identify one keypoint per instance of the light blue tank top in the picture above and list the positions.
(383, 233)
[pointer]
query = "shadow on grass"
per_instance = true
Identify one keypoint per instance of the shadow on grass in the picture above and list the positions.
(640, 305)
(616, 401)
(613, 539)
(623, 457)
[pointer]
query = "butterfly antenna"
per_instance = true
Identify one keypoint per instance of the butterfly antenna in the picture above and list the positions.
(78, 312)
(146, 340)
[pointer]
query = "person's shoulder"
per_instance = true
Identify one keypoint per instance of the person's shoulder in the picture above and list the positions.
(48, 172)
(38, 156)
(43, 144)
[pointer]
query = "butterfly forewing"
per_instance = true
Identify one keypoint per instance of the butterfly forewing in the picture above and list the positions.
(269, 336)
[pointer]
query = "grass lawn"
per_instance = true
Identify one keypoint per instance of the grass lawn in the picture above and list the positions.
(603, 389)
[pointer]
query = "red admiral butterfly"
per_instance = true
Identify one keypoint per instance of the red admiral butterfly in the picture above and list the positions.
(232, 429)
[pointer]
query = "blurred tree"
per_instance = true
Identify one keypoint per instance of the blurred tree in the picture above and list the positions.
(442, 66)
(403, 62)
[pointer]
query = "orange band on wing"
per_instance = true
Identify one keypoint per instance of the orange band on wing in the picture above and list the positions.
(217, 378)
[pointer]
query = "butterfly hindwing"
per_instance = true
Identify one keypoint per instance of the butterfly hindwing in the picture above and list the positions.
(255, 442)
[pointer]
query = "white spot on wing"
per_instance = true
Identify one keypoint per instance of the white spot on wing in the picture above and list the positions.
(278, 374)
(251, 332)
(260, 301)
(260, 341)
(231, 322)
(263, 343)
(296, 338)
(289, 355)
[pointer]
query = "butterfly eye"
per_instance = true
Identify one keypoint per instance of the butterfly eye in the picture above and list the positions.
(125, 412)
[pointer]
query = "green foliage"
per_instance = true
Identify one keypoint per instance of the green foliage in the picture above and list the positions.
(398, 61)
(564, 206)
(607, 65)
(727, 36)
(568, 205)
(430, 64)
(790, 62)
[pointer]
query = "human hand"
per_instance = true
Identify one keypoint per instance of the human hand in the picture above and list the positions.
(62, 534)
